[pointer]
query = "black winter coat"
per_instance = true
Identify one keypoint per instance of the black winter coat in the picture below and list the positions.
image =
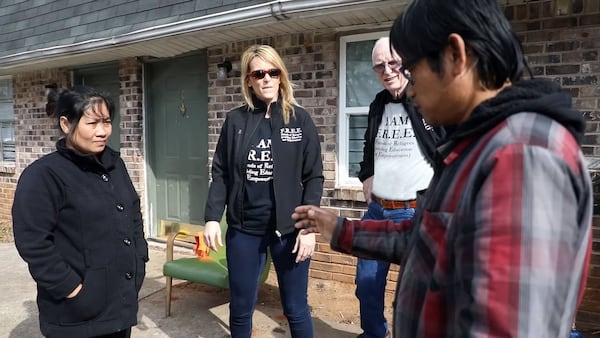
(297, 165)
(77, 220)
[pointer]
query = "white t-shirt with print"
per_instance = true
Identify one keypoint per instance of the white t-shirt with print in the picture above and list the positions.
(400, 168)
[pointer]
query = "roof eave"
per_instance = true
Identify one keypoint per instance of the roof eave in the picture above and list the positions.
(185, 35)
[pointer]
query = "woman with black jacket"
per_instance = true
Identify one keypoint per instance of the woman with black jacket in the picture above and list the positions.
(267, 162)
(77, 223)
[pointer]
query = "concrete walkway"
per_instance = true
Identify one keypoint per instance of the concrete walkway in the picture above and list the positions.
(196, 311)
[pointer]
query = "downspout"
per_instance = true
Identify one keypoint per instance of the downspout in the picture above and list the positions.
(280, 10)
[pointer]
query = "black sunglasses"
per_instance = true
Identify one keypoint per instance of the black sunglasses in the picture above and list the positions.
(259, 74)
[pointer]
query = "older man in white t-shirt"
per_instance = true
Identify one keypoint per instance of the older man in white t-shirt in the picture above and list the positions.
(397, 156)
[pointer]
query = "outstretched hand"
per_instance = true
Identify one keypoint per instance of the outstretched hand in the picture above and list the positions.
(311, 218)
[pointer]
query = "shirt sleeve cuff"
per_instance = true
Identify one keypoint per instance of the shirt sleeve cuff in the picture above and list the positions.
(342, 236)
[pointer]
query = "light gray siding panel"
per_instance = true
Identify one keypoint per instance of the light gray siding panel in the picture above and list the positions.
(127, 8)
(182, 8)
(55, 22)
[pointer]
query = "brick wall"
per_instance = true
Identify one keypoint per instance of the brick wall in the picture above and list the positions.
(566, 48)
(132, 122)
(311, 59)
(35, 132)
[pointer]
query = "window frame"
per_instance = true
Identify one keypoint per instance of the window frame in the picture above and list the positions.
(11, 123)
(343, 179)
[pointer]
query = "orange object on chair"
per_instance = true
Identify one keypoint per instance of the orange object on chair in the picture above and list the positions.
(208, 267)
(201, 249)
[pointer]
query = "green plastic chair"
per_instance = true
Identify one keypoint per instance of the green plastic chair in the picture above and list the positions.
(212, 272)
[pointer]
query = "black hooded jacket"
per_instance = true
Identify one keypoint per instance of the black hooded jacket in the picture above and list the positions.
(297, 165)
(537, 95)
(512, 189)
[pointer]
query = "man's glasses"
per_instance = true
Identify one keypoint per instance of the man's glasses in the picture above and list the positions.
(380, 67)
(394, 66)
(260, 74)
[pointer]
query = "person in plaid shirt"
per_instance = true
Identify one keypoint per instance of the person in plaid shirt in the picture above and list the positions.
(500, 242)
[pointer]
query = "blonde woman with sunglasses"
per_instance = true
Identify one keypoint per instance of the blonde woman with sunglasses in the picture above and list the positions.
(267, 162)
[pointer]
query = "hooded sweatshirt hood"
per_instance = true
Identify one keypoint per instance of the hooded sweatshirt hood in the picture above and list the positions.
(537, 96)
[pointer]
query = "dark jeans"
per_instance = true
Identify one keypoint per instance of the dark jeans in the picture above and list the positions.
(246, 257)
(371, 277)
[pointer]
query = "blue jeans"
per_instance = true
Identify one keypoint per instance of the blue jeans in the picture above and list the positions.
(371, 277)
(246, 257)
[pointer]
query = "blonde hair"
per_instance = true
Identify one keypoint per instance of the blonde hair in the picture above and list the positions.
(286, 91)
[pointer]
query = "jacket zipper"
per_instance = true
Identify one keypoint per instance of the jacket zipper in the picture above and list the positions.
(244, 156)
(277, 232)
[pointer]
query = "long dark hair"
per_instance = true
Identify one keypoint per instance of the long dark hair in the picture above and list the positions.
(422, 31)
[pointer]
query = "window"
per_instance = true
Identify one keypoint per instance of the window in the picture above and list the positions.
(7, 121)
(358, 87)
